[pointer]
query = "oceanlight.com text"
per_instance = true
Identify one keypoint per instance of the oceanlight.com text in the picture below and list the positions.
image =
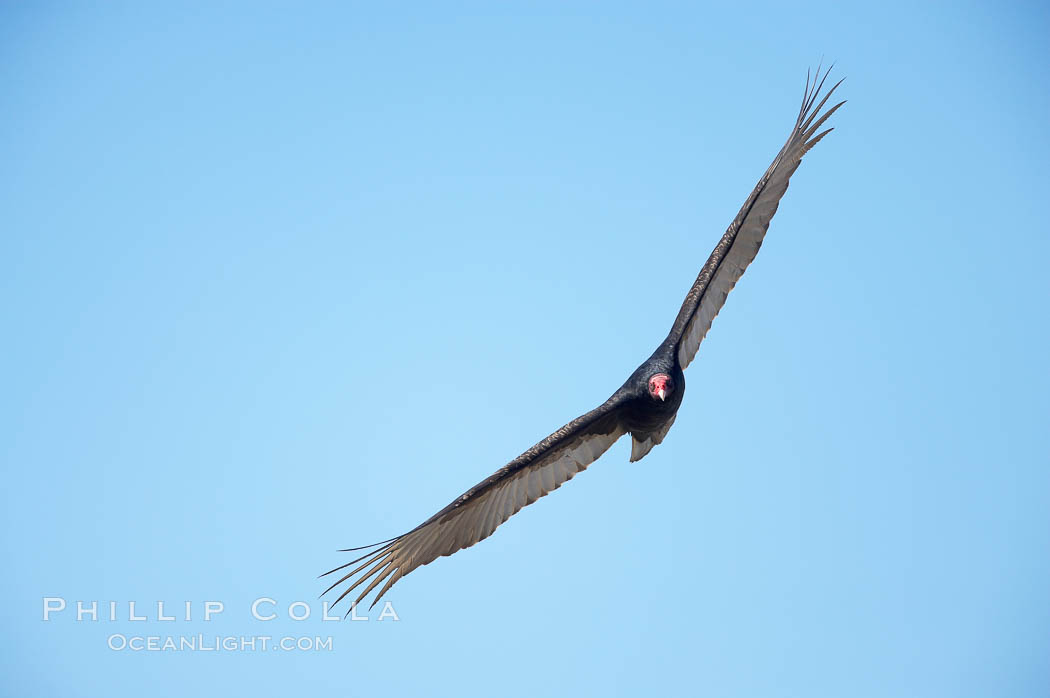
(217, 643)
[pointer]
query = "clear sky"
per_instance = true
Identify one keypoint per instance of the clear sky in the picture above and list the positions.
(278, 280)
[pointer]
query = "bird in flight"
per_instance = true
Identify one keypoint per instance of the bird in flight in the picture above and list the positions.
(644, 406)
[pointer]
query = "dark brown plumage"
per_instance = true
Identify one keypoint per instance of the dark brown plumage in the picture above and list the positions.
(644, 406)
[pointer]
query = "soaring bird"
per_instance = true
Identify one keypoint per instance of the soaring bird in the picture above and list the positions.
(644, 406)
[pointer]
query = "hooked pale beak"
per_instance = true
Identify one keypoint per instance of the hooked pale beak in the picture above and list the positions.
(662, 393)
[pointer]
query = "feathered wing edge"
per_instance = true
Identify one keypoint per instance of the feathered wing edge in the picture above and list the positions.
(474, 515)
(740, 244)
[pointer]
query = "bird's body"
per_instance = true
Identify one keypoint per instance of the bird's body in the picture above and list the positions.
(645, 405)
(648, 420)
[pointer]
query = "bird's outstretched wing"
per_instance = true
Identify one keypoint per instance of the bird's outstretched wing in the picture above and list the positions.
(740, 243)
(475, 514)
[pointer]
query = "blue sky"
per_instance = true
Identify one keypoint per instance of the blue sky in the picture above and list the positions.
(277, 280)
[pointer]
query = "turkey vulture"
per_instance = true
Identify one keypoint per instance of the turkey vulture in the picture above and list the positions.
(644, 406)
